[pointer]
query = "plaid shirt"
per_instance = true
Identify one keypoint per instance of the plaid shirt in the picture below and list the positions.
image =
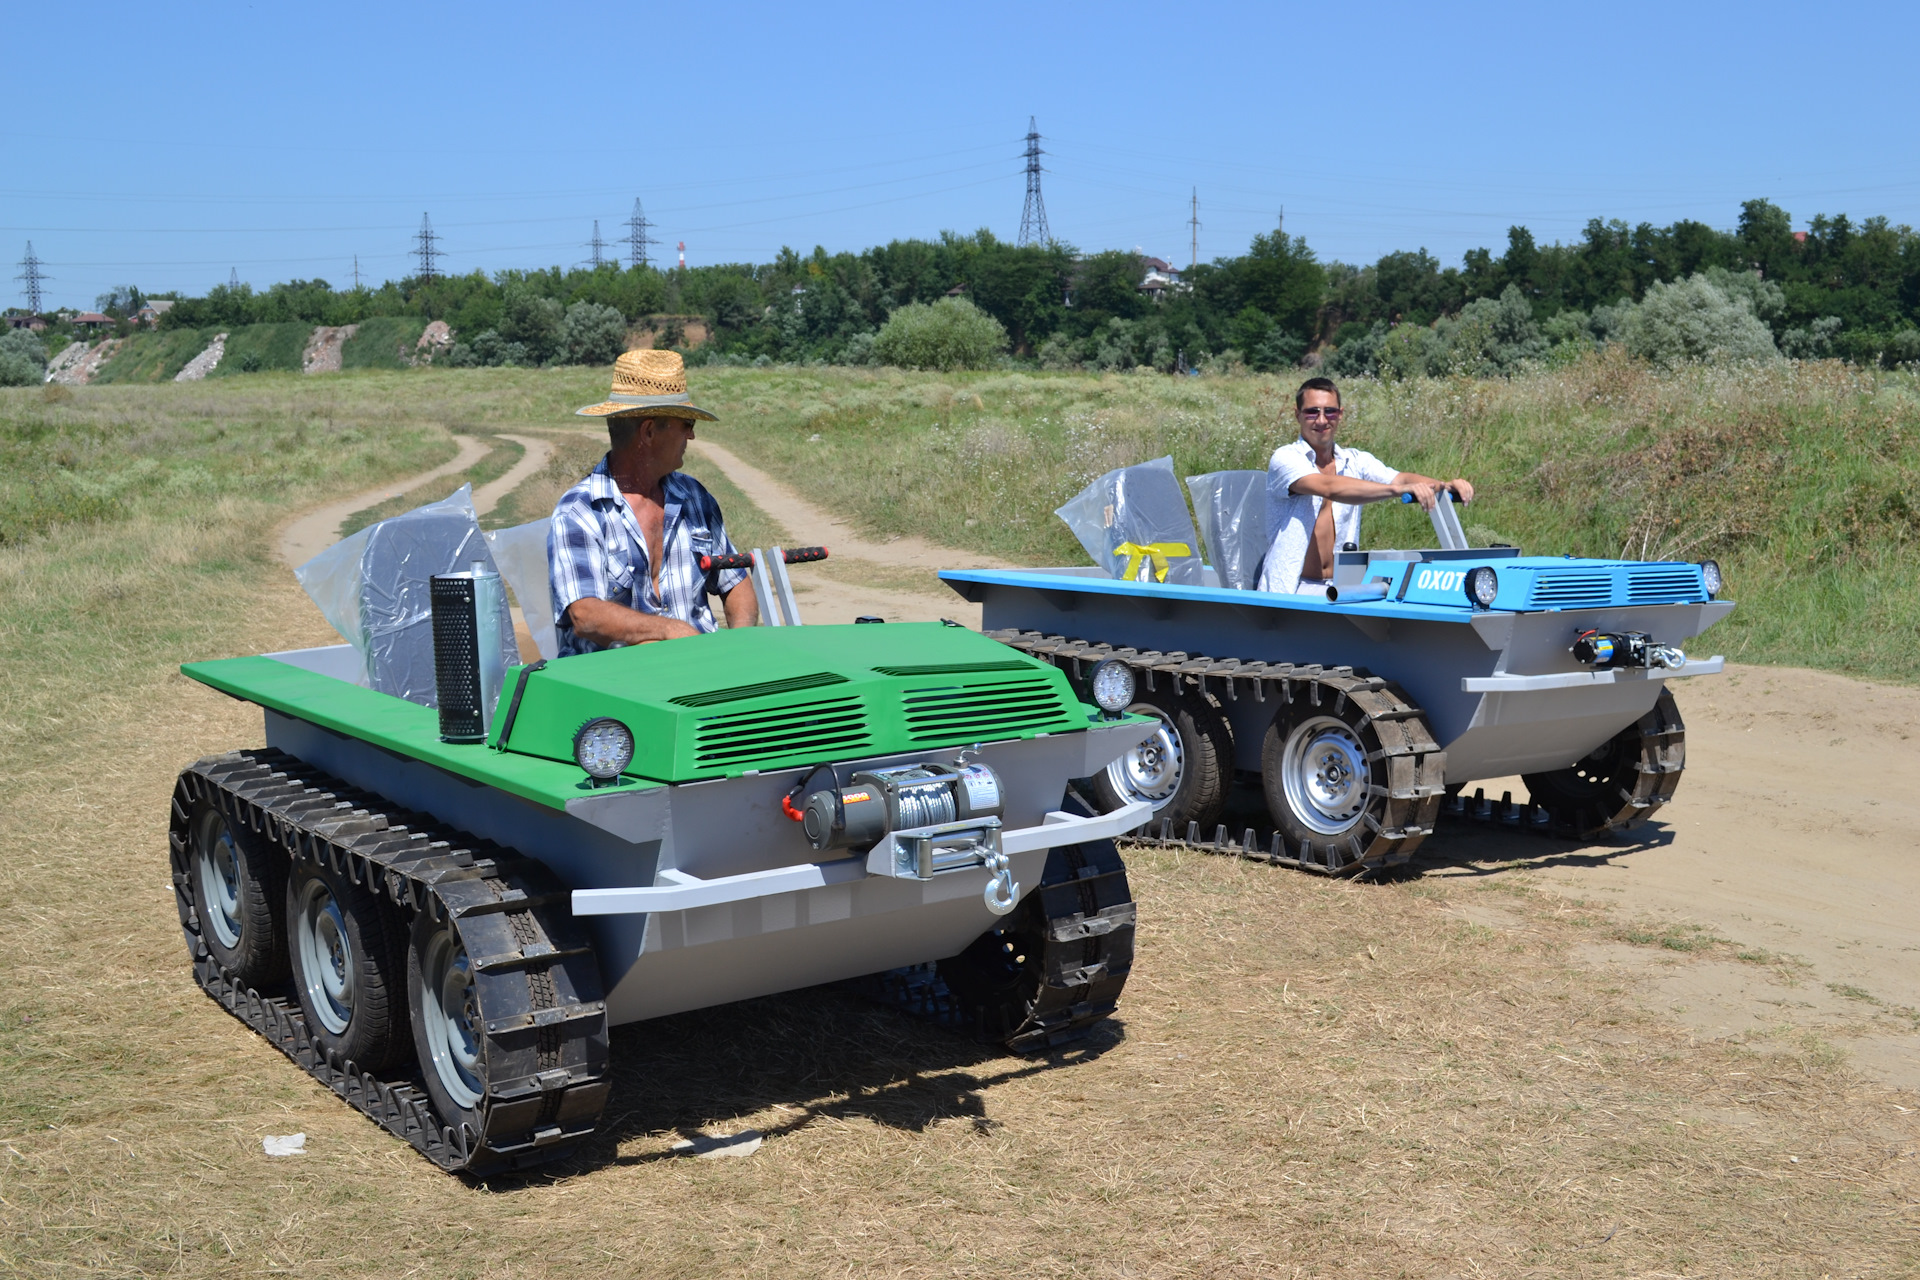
(595, 551)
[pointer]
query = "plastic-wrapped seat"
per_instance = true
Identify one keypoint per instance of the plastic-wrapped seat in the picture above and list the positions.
(1231, 508)
(374, 588)
(1133, 521)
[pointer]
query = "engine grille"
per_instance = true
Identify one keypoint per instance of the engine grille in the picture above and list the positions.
(979, 712)
(1571, 589)
(1664, 584)
(807, 730)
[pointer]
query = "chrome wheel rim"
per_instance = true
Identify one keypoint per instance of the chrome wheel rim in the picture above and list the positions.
(1152, 770)
(217, 870)
(326, 957)
(450, 1015)
(1324, 775)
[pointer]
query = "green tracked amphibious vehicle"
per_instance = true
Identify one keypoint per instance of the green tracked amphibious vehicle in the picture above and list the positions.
(443, 932)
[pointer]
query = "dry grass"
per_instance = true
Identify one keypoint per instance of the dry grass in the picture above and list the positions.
(1307, 1078)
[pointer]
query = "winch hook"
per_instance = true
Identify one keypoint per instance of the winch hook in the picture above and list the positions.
(1003, 891)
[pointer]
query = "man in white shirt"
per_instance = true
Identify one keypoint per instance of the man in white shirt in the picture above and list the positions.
(1315, 490)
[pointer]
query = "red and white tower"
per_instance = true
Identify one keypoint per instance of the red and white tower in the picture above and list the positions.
(683, 255)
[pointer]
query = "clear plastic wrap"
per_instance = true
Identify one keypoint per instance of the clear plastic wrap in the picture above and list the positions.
(521, 553)
(374, 588)
(1231, 510)
(1133, 521)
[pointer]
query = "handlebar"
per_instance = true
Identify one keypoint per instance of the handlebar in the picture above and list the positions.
(1448, 494)
(792, 555)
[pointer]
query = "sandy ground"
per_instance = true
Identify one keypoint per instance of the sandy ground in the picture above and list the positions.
(1793, 835)
(1796, 830)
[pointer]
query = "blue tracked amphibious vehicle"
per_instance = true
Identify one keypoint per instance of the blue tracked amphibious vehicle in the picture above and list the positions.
(1361, 713)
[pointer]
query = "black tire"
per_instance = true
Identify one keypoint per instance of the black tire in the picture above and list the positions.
(448, 1034)
(1055, 965)
(1620, 783)
(1186, 767)
(347, 948)
(232, 886)
(1336, 784)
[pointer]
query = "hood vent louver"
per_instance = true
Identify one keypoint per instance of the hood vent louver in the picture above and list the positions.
(980, 712)
(830, 727)
(957, 668)
(791, 684)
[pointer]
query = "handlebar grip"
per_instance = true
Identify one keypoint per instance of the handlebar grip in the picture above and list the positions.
(1448, 494)
(795, 555)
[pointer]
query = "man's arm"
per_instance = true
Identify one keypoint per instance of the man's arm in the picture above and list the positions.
(742, 606)
(1357, 492)
(602, 623)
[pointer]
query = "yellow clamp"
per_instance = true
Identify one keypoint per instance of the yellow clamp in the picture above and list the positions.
(1154, 551)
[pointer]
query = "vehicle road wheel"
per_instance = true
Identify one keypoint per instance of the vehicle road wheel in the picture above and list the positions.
(448, 1033)
(1183, 770)
(1335, 784)
(346, 944)
(1621, 782)
(236, 886)
(1055, 966)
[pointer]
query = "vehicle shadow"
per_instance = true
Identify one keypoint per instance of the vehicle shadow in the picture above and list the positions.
(821, 1053)
(1463, 847)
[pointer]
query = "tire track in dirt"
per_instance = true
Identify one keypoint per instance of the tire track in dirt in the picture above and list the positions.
(306, 536)
(828, 596)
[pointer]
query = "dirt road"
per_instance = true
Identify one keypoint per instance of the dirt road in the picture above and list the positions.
(1796, 833)
(310, 534)
(894, 579)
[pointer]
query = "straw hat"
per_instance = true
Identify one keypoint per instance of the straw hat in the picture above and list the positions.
(648, 384)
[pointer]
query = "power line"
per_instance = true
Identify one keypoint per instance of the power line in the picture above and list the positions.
(1193, 224)
(31, 277)
(356, 273)
(233, 279)
(637, 238)
(425, 244)
(1033, 217)
(596, 248)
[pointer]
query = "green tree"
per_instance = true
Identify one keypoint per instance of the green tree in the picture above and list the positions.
(949, 334)
(592, 334)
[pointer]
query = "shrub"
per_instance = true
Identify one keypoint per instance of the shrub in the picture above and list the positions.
(1491, 336)
(1694, 320)
(592, 334)
(1815, 342)
(950, 334)
(23, 358)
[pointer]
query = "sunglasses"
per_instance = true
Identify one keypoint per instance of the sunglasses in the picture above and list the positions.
(1331, 415)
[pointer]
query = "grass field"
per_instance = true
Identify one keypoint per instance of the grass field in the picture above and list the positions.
(1307, 1078)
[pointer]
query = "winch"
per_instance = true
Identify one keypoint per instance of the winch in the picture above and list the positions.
(918, 822)
(1629, 649)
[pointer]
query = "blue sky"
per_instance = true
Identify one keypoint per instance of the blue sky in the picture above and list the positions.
(165, 145)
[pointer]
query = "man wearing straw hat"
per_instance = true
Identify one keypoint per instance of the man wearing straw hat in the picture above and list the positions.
(624, 548)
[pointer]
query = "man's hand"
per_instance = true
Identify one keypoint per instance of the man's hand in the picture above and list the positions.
(1424, 492)
(603, 623)
(1461, 490)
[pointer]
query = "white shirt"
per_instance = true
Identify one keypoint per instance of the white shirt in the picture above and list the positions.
(1291, 516)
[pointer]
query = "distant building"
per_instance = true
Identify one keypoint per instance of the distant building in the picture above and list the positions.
(1160, 277)
(150, 314)
(958, 291)
(93, 320)
(26, 321)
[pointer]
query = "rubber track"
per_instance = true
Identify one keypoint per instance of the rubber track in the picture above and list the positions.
(536, 979)
(1416, 764)
(1086, 931)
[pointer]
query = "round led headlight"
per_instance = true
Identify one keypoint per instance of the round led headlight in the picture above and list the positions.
(1710, 575)
(604, 748)
(1112, 686)
(1483, 584)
